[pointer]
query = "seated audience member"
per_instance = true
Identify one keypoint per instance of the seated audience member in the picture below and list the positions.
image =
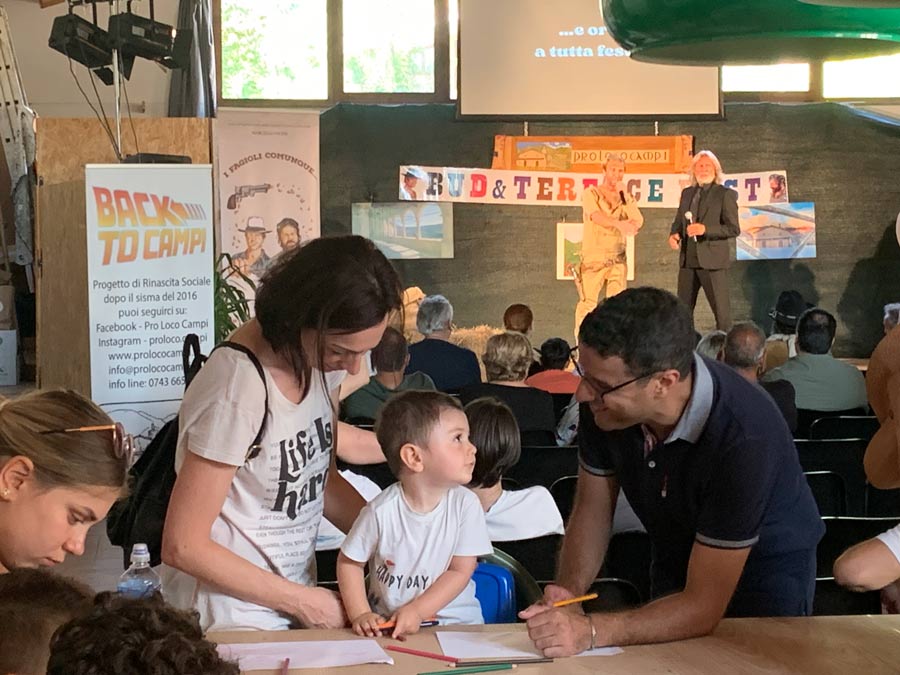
(127, 636)
(412, 298)
(506, 360)
(510, 514)
(821, 382)
(873, 565)
(518, 318)
(553, 376)
(33, 604)
(711, 344)
(745, 351)
(450, 367)
(781, 345)
(390, 359)
(891, 316)
(427, 528)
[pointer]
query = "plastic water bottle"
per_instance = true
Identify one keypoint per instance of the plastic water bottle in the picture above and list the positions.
(139, 580)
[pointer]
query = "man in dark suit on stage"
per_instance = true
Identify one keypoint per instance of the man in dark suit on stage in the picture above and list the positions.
(707, 218)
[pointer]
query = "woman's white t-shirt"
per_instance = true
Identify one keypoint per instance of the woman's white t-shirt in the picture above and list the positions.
(407, 550)
(272, 510)
(523, 514)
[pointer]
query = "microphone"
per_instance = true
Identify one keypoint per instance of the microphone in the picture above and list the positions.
(622, 196)
(689, 217)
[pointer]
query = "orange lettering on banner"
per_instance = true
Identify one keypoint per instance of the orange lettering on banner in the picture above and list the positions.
(106, 213)
(566, 189)
(125, 208)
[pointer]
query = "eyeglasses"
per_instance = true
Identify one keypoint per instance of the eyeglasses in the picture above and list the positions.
(123, 443)
(601, 394)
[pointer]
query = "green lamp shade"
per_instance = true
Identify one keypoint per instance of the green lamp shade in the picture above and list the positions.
(713, 32)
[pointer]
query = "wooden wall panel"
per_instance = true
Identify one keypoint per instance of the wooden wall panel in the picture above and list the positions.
(64, 146)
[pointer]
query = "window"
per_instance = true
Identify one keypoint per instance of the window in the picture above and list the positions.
(453, 18)
(276, 49)
(874, 77)
(388, 46)
(781, 77)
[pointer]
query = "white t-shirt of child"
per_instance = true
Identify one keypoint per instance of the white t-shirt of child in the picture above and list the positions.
(330, 537)
(523, 514)
(891, 539)
(272, 511)
(407, 551)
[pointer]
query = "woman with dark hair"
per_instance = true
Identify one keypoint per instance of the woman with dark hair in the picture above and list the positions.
(239, 540)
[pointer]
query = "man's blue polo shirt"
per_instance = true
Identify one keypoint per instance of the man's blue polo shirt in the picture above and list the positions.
(728, 476)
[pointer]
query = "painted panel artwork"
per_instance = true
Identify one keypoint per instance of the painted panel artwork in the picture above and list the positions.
(777, 232)
(407, 230)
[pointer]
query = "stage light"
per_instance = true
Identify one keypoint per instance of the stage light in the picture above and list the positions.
(81, 41)
(150, 39)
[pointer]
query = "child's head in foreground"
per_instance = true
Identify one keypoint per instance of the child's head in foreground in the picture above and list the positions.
(33, 604)
(494, 431)
(126, 636)
(425, 435)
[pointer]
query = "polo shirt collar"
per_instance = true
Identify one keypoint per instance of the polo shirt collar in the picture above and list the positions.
(696, 412)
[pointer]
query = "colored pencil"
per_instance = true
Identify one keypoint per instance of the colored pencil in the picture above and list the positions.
(427, 655)
(464, 663)
(391, 624)
(572, 601)
(476, 669)
(285, 666)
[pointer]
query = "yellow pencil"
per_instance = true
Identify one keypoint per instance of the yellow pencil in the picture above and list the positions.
(572, 601)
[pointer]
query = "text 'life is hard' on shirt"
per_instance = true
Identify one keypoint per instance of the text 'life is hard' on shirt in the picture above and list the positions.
(271, 513)
(407, 550)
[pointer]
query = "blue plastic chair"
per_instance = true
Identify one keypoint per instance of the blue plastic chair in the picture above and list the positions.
(495, 589)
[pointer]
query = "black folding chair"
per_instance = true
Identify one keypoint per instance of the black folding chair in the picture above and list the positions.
(537, 555)
(563, 491)
(560, 403)
(841, 534)
(829, 491)
(832, 599)
(542, 465)
(843, 456)
(612, 595)
(806, 418)
(628, 557)
(844, 426)
(882, 503)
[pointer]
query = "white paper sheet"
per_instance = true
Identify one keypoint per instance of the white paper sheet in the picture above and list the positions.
(512, 644)
(318, 654)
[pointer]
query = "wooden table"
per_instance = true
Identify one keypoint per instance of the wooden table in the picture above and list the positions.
(839, 645)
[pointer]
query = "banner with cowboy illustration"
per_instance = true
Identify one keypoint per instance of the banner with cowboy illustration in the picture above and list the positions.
(557, 188)
(268, 177)
(586, 154)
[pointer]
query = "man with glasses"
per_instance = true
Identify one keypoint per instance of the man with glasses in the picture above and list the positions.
(708, 465)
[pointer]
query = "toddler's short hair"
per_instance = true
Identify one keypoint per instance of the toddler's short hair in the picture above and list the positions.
(495, 434)
(33, 604)
(127, 636)
(409, 417)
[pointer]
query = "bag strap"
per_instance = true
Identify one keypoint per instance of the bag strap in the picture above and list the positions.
(255, 447)
(191, 358)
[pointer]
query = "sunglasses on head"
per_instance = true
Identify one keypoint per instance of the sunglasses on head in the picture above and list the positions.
(123, 443)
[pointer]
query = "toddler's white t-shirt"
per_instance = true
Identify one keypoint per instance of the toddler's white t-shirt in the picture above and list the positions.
(407, 551)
